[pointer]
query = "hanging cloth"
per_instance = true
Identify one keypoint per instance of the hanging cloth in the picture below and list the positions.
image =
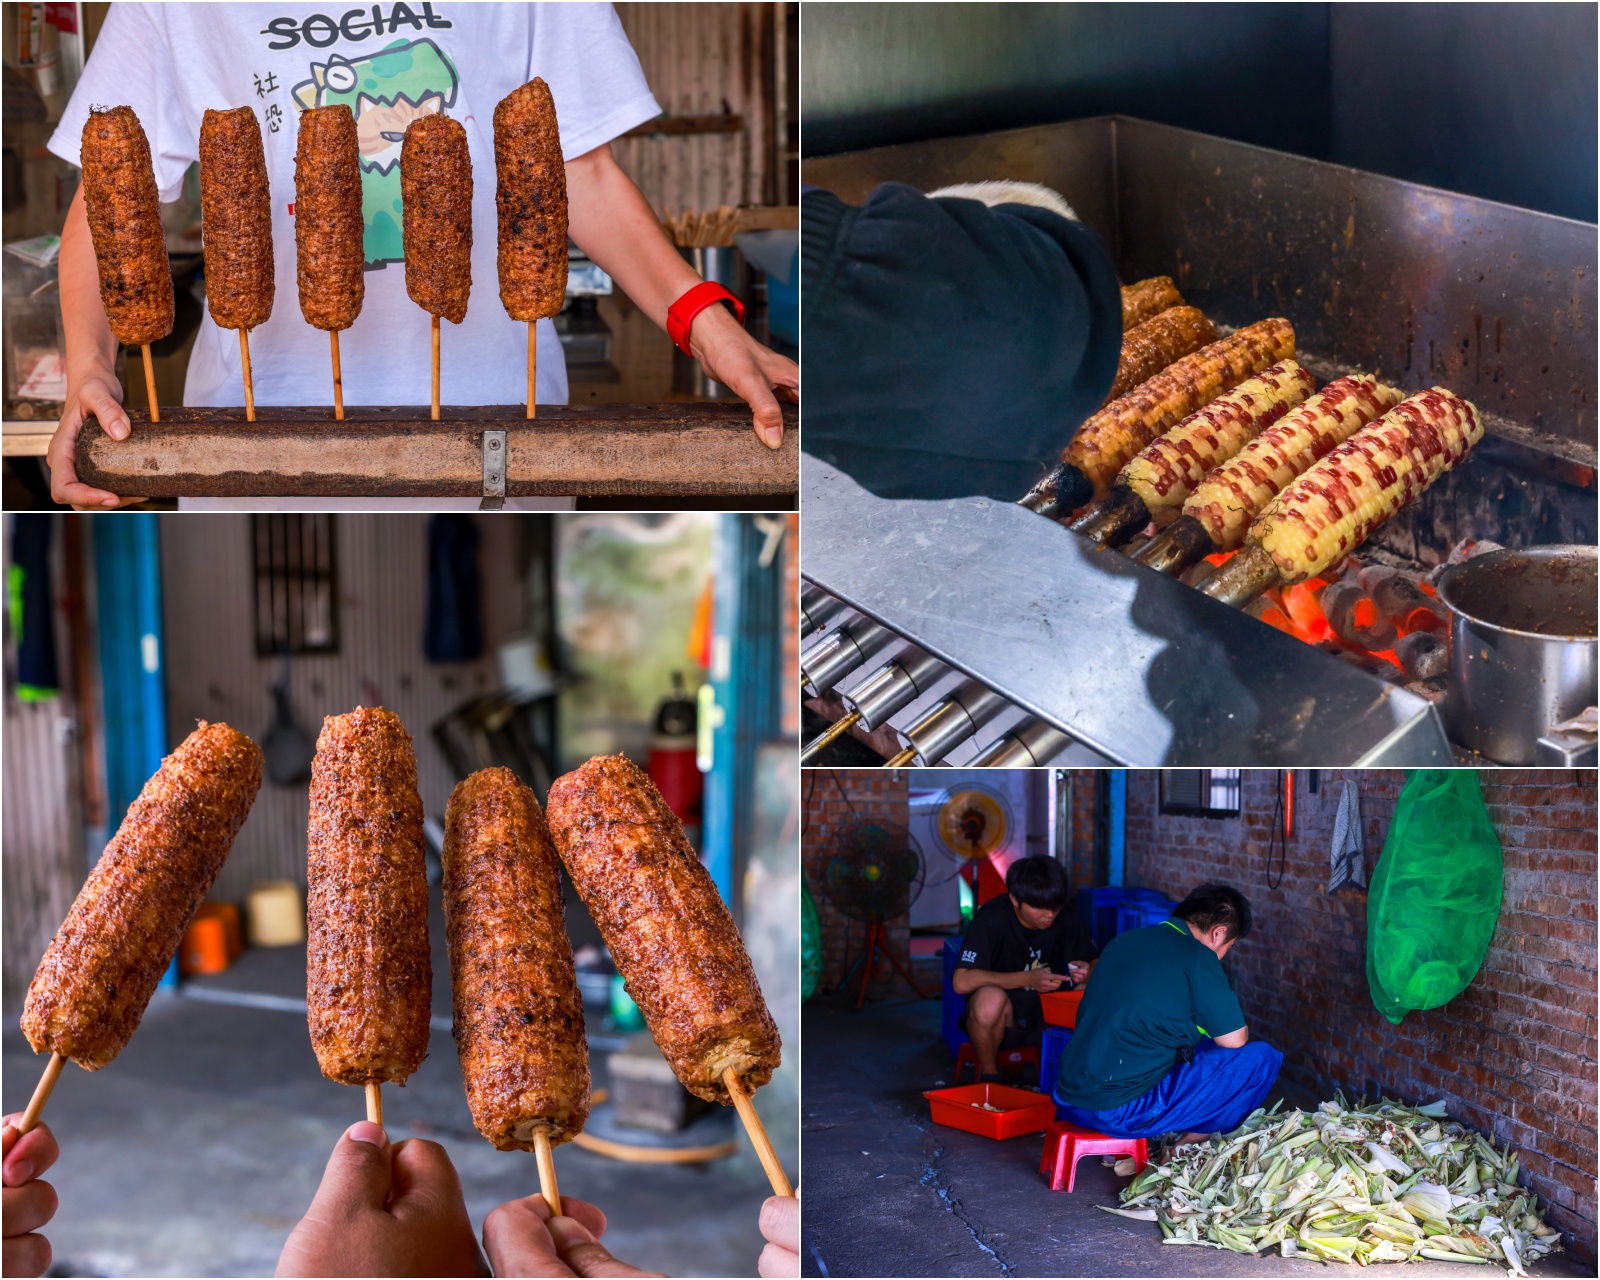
(1347, 861)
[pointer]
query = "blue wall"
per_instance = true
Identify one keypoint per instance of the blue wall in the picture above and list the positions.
(1494, 100)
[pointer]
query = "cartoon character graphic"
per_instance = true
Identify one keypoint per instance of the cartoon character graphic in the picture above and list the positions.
(386, 90)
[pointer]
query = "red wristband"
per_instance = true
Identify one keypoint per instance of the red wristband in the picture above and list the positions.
(681, 314)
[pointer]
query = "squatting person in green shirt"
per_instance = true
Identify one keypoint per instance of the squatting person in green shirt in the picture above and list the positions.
(1161, 1044)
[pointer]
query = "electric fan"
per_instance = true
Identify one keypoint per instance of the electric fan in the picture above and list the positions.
(873, 873)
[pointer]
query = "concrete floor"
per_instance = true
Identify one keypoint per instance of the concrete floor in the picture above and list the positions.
(887, 1192)
(198, 1149)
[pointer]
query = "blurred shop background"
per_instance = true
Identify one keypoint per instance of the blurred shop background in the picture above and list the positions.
(1491, 100)
(726, 76)
(531, 641)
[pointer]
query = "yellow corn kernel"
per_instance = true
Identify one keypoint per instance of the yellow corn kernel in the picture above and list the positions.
(1331, 509)
(1167, 470)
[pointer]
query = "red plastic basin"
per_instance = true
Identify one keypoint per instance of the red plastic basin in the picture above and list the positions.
(1021, 1110)
(1061, 1007)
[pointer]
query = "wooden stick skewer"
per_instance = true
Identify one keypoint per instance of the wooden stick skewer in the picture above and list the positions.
(338, 381)
(41, 1094)
(533, 360)
(150, 384)
(436, 368)
(548, 1187)
(758, 1133)
(249, 386)
(375, 1102)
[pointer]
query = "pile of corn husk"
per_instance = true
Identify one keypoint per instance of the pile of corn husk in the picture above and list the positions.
(1373, 1183)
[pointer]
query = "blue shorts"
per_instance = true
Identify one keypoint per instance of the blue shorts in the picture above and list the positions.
(1211, 1094)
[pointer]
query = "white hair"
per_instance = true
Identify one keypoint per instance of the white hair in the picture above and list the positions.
(1006, 192)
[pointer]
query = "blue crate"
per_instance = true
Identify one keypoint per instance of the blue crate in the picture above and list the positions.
(1097, 908)
(1141, 915)
(1050, 1051)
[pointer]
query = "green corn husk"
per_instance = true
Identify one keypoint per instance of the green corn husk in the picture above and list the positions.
(1379, 1182)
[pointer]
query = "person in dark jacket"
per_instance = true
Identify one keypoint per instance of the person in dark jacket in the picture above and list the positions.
(953, 341)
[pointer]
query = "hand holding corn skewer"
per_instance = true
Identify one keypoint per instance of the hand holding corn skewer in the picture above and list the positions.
(436, 203)
(671, 937)
(106, 960)
(1331, 509)
(328, 227)
(1218, 513)
(1108, 440)
(369, 974)
(531, 198)
(518, 1015)
(130, 248)
(1154, 485)
(236, 227)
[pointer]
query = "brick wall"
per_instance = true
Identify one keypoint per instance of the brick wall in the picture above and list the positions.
(833, 799)
(1514, 1054)
(1085, 810)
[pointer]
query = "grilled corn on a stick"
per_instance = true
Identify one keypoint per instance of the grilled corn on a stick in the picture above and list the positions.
(1147, 299)
(1223, 506)
(1331, 509)
(1155, 484)
(1107, 441)
(1155, 344)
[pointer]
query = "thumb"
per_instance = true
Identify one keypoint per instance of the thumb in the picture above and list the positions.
(764, 411)
(359, 1174)
(98, 400)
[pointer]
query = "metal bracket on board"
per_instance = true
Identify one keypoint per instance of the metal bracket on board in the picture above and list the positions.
(494, 471)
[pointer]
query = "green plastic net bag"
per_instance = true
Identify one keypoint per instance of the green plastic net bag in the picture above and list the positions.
(1435, 896)
(810, 944)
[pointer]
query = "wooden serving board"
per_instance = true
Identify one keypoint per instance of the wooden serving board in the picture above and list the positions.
(581, 450)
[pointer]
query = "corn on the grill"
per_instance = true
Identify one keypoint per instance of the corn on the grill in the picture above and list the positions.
(1153, 345)
(1168, 469)
(1231, 497)
(1108, 440)
(1330, 510)
(1148, 299)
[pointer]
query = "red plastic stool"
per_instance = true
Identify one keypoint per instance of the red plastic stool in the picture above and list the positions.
(1065, 1144)
(968, 1056)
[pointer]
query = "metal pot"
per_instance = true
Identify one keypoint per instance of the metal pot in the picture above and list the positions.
(1522, 647)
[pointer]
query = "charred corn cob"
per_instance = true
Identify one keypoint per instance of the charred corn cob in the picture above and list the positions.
(1331, 509)
(1152, 346)
(1148, 299)
(1155, 483)
(1230, 498)
(1109, 439)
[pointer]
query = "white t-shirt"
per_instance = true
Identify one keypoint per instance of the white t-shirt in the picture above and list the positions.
(388, 62)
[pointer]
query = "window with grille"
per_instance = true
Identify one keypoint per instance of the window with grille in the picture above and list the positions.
(1205, 793)
(296, 579)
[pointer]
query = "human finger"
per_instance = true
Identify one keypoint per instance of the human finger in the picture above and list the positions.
(582, 1251)
(97, 398)
(27, 1208)
(65, 487)
(29, 1154)
(518, 1242)
(780, 1221)
(26, 1256)
(359, 1173)
(425, 1182)
(776, 1261)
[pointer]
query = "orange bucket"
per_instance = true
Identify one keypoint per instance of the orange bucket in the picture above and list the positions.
(205, 946)
(233, 933)
(1061, 1007)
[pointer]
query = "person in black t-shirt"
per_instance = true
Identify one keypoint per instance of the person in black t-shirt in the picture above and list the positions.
(1017, 946)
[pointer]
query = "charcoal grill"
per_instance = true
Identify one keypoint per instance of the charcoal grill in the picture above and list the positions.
(1417, 285)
